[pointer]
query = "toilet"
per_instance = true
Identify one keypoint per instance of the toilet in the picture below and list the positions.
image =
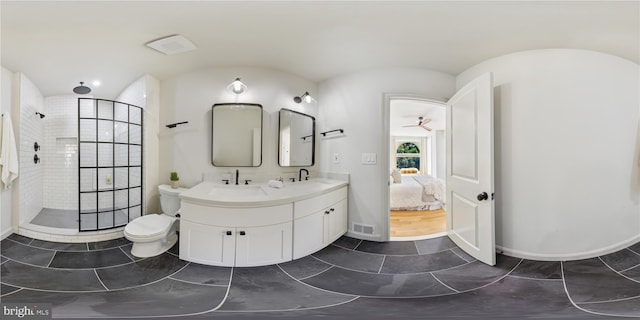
(153, 234)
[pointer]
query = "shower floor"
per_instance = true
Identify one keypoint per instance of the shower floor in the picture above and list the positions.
(68, 219)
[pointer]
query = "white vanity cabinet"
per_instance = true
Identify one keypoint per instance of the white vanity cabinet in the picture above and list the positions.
(240, 237)
(318, 222)
(261, 246)
(256, 225)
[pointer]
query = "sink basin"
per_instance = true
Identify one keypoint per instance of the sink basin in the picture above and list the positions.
(258, 194)
(238, 192)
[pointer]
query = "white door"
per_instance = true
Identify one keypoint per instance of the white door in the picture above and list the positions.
(469, 199)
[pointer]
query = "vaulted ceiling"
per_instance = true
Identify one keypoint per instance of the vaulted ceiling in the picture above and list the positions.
(59, 43)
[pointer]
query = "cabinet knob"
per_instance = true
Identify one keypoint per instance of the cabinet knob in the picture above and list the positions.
(242, 233)
(332, 209)
(326, 212)
(229, 233)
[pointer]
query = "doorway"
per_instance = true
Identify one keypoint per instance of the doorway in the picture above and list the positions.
(470, 210)
(417, 167)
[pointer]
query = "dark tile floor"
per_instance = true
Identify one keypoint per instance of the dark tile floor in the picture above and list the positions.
(426, 279)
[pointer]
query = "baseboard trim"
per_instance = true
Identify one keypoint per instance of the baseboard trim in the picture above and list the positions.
(6, 233)
(568, 257)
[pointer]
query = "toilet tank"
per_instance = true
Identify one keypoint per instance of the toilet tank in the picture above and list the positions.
(169, 199)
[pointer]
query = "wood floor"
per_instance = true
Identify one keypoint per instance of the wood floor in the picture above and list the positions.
(417, 223)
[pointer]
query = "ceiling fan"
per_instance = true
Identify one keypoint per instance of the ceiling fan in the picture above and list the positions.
(421, 123)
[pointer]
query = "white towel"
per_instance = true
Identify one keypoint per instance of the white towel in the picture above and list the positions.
(8, 153)
(276, 184)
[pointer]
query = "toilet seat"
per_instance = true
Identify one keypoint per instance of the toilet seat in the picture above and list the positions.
(149, 226)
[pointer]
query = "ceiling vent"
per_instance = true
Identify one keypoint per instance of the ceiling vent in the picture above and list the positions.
(172, 45)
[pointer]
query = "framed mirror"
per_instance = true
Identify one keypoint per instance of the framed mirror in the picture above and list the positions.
(296, 139)
(236, 135)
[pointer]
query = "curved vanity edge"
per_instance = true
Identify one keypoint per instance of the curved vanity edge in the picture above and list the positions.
(260, 227)
(204, 194)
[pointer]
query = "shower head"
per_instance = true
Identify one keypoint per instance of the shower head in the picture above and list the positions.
(81, 89)
(40, 114)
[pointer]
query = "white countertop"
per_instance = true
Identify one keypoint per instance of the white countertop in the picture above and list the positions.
(259, 194)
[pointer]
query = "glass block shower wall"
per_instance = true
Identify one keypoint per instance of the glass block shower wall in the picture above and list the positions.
(110, 158)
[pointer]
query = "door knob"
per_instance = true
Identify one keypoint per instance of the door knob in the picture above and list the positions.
(483, 196)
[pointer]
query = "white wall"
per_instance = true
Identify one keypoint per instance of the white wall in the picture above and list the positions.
(189, 97)
(152, 144)
(567, 152)
(145, 93)
(5, 195)
(356, 103)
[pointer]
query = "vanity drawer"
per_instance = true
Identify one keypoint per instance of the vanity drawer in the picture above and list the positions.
(236, 217)
(309, 206)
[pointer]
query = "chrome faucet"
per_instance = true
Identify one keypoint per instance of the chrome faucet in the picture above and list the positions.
(300, 174)
(237, 176)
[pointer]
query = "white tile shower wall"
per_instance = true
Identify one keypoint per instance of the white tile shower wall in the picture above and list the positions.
(31, 131)
(59, 148)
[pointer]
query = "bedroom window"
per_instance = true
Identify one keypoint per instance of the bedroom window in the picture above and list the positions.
(408, 156)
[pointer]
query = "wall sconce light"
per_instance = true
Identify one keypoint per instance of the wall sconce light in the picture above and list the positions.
(306, 97)
(237, 86)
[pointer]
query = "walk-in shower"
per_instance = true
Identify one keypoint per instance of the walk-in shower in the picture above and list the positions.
(110, 165)
(92, 164)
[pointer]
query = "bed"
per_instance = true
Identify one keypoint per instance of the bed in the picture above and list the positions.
(416, 192)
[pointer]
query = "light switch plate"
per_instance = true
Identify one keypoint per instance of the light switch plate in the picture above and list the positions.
(369, 158)
(336, 158)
